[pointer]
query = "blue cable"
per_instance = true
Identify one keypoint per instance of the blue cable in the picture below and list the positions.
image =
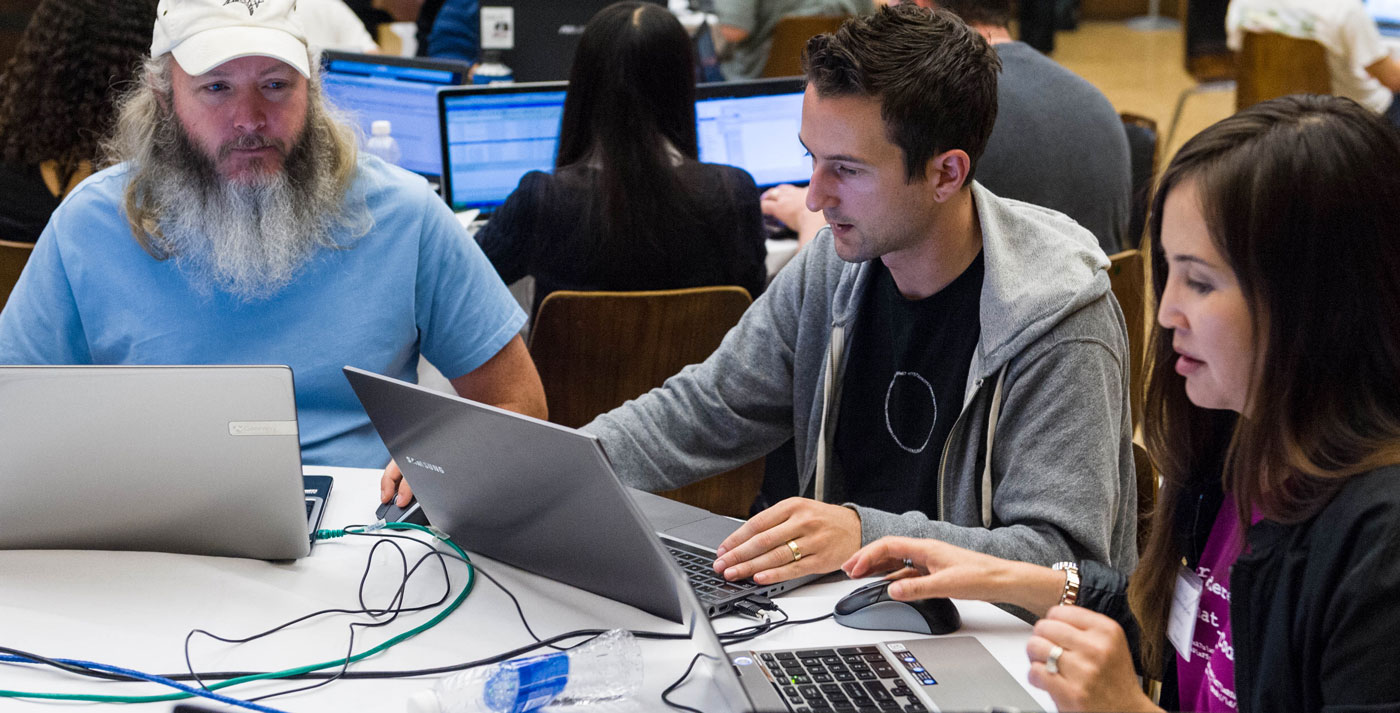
(145, 677)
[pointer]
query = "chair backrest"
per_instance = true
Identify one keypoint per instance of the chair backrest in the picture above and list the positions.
(13, 257)
(595, 350)
(1272, 65)
(1143, 148)
(1128, 279)
(790, 36)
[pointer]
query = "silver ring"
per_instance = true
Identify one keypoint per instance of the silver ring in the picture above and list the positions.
(1052, 662)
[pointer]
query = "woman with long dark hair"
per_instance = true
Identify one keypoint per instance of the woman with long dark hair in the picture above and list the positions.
(1272, 573)
(56, 101)
(629, 206)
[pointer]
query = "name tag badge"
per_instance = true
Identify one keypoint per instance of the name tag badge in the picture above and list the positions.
(1186, 604)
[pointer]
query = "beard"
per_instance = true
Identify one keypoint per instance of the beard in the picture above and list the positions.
(249, 237)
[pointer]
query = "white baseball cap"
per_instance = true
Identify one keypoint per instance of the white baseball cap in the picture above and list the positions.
(203, 34)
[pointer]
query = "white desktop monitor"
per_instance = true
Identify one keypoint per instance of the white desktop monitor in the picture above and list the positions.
(754, 125)
(494, 135)
(1386, 13)
(401, 90)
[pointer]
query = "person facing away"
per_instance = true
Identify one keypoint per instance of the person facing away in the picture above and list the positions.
(951, 365)
(1273, 417)
(747, 28)
(450, 29)
(57, 97)
(629, 206)
(1360, 62)
(1057, 141)
(240, 226)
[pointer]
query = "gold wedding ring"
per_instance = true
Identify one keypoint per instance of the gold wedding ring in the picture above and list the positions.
(796, 553)
(1052, 662)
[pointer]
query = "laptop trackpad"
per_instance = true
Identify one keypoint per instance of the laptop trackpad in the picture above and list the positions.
(707, 533)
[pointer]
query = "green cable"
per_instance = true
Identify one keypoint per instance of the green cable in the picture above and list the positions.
(344, 661)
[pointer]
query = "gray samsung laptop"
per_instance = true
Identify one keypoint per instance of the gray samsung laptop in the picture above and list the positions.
(543, 497)
(943, 673)
(187, 459)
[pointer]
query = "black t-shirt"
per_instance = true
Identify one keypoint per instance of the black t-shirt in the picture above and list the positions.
(903, 389)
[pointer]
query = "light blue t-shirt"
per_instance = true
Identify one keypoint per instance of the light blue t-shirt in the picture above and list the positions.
(91, 295)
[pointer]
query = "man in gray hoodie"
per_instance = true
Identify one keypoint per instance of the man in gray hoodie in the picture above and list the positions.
(951, 364)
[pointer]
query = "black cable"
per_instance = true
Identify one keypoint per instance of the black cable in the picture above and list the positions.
(64, 666)
(666, 694)
(729, 637)
(519, 610)
(390, 612)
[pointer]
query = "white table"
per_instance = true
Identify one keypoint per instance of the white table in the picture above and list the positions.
(134, 609)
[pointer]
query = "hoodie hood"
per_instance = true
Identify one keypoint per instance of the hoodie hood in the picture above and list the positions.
(1041, 267)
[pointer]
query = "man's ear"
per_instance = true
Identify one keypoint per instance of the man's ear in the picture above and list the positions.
(947, 172)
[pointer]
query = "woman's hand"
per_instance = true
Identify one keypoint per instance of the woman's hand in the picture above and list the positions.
(931, 568)
(1092, 669)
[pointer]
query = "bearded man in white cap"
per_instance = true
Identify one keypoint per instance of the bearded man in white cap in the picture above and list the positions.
(239, 225)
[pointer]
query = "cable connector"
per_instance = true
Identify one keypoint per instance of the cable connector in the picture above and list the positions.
(751, 610)
(762, 602)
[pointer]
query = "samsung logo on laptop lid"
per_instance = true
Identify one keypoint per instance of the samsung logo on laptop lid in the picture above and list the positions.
(425, 466)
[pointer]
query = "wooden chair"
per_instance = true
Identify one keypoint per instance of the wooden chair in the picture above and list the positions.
(595, 350)
(1271, 65)
(1126, 273)
(1143, 153)
(13, 257)
(790, 37)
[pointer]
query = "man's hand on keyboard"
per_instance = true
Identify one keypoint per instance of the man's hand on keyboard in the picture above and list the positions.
(796, 537)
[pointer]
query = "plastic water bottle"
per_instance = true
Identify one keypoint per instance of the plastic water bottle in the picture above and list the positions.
(381, 144)
(609, 666)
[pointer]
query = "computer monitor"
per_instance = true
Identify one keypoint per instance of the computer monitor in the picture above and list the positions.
(546, 35)
(493, 135)
(754, 125)
(402, 90)
(1386, 13)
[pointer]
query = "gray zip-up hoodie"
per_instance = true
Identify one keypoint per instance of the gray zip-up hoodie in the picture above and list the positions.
(1046, 396)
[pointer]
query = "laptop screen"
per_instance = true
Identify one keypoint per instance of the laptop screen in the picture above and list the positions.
(404, 91)
(753, 125)
(1386, 13)
(494, 135)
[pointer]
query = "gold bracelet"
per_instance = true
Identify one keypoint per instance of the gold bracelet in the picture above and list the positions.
(1070, 595)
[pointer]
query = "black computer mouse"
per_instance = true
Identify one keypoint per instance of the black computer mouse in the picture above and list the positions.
(870, 607)
(389, 512)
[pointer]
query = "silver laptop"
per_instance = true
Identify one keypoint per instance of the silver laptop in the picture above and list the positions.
(945, 673)
(187, 459)
(544, 498)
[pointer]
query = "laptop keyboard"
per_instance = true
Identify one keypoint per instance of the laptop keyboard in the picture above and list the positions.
(856, 678)
(708, 584)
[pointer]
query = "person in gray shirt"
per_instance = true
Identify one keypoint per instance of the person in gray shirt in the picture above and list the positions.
(1010, 437)
(747, 27)
(1009, 434)
(1057, 141)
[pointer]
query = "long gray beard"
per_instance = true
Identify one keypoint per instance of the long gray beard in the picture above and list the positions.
(248, 239)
